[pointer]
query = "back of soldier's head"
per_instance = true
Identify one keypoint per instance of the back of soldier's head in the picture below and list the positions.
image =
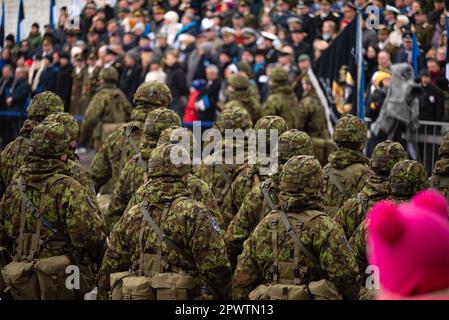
(44, 104)
(169, 160)
(294, 143)
(279, 76)
(153, 94)
(407, 178)
(108, 74)
(265, 125)
(443, 151)
(158, 120)
(302, 175)
(385, 155)
(176, 135)
(233, 117)
(350, 132)
(239, 82)
(49, 140)
(68, 121)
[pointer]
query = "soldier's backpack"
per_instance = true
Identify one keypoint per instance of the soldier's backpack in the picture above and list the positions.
(31, 278)
(335, 182)
(289, 279)
(152, 278)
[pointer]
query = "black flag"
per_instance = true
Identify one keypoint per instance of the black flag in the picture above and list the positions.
(336, 71)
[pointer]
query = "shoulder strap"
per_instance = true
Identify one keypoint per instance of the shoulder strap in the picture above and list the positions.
(334, 180)
(267, 196)
(161, 235)
(226, 177)
(363, 206)
(294, 236)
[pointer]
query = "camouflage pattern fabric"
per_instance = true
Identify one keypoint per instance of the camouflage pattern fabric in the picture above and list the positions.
(300, 184)
(240, 93)
(117, 149)
(189, 224)
(385, 155)
(44, 104)
(66, 204)
(311, 117)
(440, 175)
(282, 100)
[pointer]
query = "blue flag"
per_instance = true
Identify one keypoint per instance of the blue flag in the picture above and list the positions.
(2, 31)
(415, 53)
(20, 34)
(53, 14)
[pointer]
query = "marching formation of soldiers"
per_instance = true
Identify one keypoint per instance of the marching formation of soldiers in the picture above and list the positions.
(178, 231)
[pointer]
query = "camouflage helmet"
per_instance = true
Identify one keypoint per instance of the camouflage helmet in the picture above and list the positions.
(68, 121)
(175, 134)
(269, 123)
(279, 75)
(158, 120)
(44, 104)
(407, 177)
(385, 155)
(294, 143)
(443, 151)
(108, 74)
(302, 174)
(154, 93)
(50, 140)
(239, 82)
(233, 117)
(169, 160)
(350, 129)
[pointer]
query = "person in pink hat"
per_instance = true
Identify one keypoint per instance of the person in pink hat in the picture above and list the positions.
(409, 244)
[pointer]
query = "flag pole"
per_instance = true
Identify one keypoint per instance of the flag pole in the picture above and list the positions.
(360, 68)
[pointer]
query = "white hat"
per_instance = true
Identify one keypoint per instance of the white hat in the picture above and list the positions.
(171, 16)
(268, 35)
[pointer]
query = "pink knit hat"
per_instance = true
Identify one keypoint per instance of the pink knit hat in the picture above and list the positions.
(409, 243)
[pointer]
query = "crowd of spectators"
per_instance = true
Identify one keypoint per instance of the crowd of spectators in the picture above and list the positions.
(194, 46)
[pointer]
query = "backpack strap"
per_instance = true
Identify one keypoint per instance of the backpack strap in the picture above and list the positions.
(274, 242)
(27, 204)
(362, 204)
(225, 176)
(162, 237)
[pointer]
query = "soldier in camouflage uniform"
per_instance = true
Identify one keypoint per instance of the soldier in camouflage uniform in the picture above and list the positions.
(134, 173)
(199, 190)
(440, 175)
(42, 105)
(348, 170)
(247, 176)
(239, 91)
(108, 106)
(385, 155)
(79, 173)
(257, 203)
(121, 145)
(282, 100)
(185, 222)
(215, 172)
(312, 120)
(406, 178)
(271, 255)
(106, 110)
(69, 222)
(245, 68)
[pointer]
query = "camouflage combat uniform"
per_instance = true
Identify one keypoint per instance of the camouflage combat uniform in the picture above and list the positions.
(239, 84)
(70, 222)
(108, 106)
(134, 173)
(440, 175)
(199, 190)
(385, 155)
(282, 100)
(255, 206)
(312, 120)
(406, 178)
(42, 105)
(247, 176)
(78, 172)
(270, 247)
(119, 145)
(186, 222)
(348, 170)
(215, 172)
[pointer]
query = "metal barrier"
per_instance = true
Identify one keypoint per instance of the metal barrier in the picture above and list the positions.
(429, 137)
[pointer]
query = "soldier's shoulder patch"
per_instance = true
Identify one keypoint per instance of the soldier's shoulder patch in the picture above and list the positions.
(214, 224)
